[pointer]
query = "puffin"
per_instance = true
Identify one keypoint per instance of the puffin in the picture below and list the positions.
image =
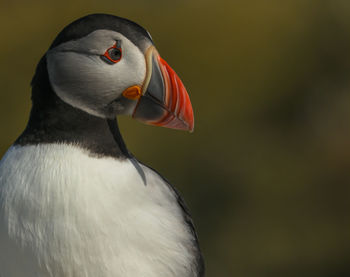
(74, 202)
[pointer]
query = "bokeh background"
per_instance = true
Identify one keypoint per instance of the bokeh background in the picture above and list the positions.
(266, 173)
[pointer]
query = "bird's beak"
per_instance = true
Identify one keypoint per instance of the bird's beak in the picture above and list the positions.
(162, 99)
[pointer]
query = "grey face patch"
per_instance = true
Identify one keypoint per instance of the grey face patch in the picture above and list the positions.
(82, 79)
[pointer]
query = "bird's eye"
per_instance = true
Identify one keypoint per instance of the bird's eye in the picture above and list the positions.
(112, 54)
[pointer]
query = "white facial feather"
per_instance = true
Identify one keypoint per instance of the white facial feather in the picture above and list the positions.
(82, 79)
(67, 214)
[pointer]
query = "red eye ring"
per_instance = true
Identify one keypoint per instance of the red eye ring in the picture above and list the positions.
(113, 54)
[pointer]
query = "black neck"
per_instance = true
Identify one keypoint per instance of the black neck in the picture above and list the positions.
(53, 121)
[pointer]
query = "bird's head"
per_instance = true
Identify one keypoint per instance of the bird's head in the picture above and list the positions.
(107, 66)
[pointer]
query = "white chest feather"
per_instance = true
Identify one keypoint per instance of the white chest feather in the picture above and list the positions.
(64, 213)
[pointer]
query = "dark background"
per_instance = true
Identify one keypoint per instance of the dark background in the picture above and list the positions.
(266, 173)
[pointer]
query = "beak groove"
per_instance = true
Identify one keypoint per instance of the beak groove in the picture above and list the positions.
(165, 101)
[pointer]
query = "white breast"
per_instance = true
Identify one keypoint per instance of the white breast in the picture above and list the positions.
(64, 213)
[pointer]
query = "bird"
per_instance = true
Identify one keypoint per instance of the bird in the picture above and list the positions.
(74, 201)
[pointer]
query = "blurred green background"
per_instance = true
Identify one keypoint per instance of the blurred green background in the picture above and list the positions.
(266, 173)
